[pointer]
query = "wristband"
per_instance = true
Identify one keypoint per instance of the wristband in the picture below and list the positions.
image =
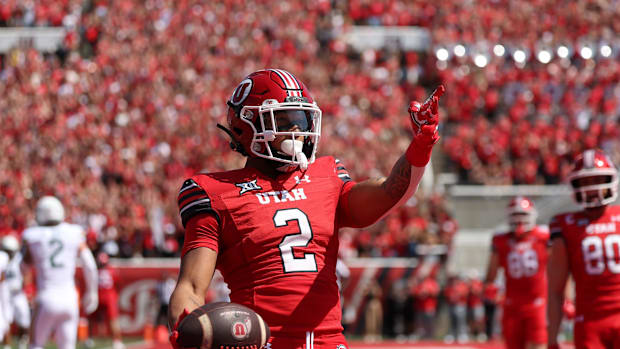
(418, 154)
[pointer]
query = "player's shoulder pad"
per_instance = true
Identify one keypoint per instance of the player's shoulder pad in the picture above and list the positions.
(30, 234)
(328, 166)
(193, 199)
(74, 230)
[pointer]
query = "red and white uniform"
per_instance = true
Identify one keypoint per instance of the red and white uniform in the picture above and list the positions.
(524, 262)
(277, 244)
(593, 248)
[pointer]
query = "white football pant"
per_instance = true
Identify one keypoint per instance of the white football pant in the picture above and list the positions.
(55, 313)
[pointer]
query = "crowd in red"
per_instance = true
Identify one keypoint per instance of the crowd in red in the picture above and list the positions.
(128, 106)
(519, 120)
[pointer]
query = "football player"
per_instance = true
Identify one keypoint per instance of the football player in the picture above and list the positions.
(272, 226)
(522, 254)
(53, 247)
(107, 309)
(586, 245)
(18, 310)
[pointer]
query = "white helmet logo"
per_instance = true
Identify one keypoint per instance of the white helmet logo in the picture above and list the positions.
(241, 92)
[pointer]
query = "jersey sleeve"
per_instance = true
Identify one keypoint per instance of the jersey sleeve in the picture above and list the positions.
(201, 231)
(194, 200)
(555, 228)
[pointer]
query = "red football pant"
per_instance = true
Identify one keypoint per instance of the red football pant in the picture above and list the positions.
(602, 332)
(520, 328)
(332, 341)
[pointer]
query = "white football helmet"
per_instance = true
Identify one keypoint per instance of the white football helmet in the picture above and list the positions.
(49, 210)
(522, 216)
(10, 243)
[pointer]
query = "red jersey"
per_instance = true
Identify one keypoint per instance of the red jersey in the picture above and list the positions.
(277, 240)
(525, 263)
(593, 248)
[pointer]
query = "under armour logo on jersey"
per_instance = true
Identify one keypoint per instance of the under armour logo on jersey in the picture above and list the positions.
(305, 179)
(248, 186)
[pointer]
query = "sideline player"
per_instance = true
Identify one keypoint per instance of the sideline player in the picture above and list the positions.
(53, 247)
(522, 252)
(272, 226)
(586, 244)
(18, 309)
(107, 310)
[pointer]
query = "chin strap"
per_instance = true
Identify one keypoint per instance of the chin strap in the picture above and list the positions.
(234, 143)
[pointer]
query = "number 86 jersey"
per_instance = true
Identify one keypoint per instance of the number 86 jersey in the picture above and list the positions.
(277, 240)
(593, 249)
(524, 262)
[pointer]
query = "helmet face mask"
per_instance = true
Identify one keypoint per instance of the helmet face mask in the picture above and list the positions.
(271, 128)
(594, 180)
(272, 116)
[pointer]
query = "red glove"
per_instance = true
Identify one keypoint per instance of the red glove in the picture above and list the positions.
(424, 121)
(175, 334)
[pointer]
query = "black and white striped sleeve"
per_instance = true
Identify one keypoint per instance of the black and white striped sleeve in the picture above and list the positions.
(193, 200)
(342, 172)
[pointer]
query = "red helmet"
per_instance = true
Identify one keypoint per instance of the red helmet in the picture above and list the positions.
(270, 103)
(521, 215)
(594, 179)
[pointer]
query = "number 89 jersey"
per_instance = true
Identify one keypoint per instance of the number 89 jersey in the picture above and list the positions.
(593, 249)
(524, 262)
(277, 241)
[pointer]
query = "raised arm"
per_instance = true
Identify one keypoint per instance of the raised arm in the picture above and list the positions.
(371, 200)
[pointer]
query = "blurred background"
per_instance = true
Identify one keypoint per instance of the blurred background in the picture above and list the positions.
(110, 105)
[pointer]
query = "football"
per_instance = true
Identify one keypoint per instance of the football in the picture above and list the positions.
(223, 325)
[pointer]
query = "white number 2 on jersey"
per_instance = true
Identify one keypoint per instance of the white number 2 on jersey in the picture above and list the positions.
(522, 264)
(594, 254)
(301, 239)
